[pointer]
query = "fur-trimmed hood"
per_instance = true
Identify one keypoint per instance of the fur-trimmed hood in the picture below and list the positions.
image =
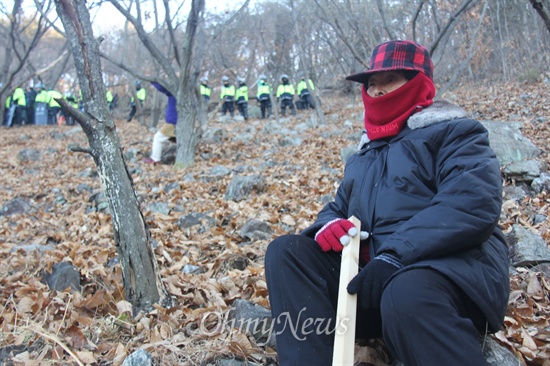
(439, 111)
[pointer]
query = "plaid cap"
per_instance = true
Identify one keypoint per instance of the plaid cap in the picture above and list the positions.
(397, 55)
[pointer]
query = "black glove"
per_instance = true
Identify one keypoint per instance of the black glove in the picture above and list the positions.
(369, 282)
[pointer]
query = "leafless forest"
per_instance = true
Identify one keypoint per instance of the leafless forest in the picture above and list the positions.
(501, 47)
(470, 40)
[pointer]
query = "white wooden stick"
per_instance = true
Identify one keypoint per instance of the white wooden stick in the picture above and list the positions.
(344, 337)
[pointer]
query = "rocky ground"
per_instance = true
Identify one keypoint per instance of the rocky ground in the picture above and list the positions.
(57, 214)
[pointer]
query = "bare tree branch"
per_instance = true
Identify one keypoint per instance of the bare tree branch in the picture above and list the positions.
(544, 13)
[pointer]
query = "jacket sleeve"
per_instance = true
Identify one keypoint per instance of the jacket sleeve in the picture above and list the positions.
(464, 211)
(161, 89)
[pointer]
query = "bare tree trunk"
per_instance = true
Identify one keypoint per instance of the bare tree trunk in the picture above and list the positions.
(451, 24)
(297, 32)
(466, 63)
(187, 132)
(503, 60)
(544, 13)
(142, 284)
(380, 6)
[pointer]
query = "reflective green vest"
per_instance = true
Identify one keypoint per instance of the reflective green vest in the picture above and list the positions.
(227, 91)
(42, 97)
(304, 85)
(242, 92)
(72, 101)
(263, 91)
(52, 95)
(109, 96)
(205, 90)
(285, 91)
(141, 93)
(19, 97)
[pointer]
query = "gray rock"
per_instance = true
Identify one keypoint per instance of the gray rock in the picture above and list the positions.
(189, 177)
(497, 355)
(515, 193)
(83, 187)
(131, 153)
(64, 275)
(541, 183)
(256, 230)
(290, 141)
(525, 171)
(174, 186)
(24, 137)
(56, 135)
(138, 358)
(241, 187)
(253, 319)
(215, 134)
(539, 218)
(159, 207)
(28, 155)
(88, 173)
(254, 111)
(220, 171)
(27, 248)
(526, 247)
(194, 219)
(192, 269)
(15, 206)
(233, 362)
(509, 144)
(99, 202)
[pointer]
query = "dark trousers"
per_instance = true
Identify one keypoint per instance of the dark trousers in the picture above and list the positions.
(307, 101)
(132, 113)
(52, 115)
(265, 107)
(287, 103)
(424, 319)
(30, 115)
(20, 116)
(228, 107)
(243, 109)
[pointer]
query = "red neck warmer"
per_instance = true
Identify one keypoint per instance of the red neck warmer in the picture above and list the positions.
(385, 116)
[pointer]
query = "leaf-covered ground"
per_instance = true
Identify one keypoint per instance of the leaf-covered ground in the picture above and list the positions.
(39, 326)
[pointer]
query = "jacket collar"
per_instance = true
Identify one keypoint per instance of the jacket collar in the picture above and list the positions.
(439, 111)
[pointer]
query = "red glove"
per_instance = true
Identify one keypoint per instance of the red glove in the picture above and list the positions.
(335, 234)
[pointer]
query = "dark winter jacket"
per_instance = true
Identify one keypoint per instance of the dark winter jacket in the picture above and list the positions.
(171, 113)
(432, 195)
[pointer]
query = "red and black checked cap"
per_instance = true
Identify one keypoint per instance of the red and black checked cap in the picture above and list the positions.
(397, 55)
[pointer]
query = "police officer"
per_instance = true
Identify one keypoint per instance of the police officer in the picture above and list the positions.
(227, 96)
(285, 94)
(242, 98)
(263, 96)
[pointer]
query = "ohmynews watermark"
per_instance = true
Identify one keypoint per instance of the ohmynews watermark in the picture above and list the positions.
(300, 327)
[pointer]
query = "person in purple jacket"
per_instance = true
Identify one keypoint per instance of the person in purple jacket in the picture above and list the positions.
(167, 131)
